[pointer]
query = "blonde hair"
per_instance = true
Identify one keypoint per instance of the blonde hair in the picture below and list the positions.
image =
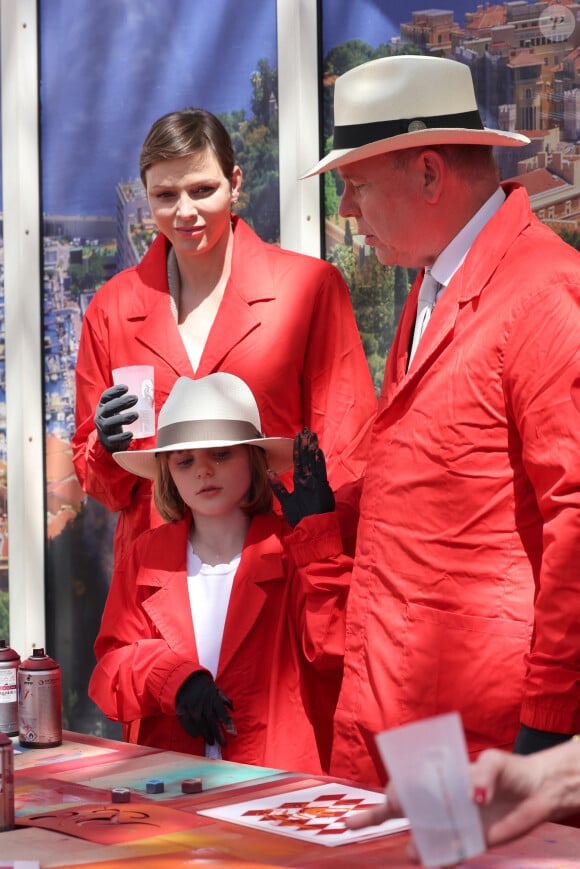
(172, 507)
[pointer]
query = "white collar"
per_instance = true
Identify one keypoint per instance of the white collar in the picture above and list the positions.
(453, 255)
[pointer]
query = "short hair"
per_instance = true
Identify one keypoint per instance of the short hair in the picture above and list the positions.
(471, 162)
(179, 134)
(172, 508)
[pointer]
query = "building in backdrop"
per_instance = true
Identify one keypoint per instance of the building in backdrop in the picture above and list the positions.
(101, 89)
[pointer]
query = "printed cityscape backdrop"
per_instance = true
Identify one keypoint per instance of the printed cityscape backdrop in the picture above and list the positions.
(122, 65)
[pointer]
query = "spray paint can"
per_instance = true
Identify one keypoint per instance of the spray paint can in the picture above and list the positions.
(9, 662)
(6, 783)
(39, 701)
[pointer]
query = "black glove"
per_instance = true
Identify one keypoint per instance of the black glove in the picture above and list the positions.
(109, 419)
(529, 740)
(201, 709)
(311, 494)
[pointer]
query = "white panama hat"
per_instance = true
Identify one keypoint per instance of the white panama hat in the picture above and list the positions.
(215, 411)
(407, 101)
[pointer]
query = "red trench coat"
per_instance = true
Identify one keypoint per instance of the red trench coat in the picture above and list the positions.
(281, 655)
(285, 326)
(465, 592)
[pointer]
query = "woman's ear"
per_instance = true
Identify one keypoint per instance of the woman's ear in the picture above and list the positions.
(236, 183)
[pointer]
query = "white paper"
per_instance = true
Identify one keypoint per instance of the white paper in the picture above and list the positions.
(428, 765)
(315, 814)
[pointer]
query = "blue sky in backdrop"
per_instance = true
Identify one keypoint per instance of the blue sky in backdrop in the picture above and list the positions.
(110, 68)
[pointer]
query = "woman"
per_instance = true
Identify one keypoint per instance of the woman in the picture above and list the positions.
(210, 296)
(213, 630)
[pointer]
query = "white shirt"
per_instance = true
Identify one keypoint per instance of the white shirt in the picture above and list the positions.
(210, 588)
(451, 257)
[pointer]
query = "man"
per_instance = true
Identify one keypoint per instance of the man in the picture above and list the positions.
(465, 591)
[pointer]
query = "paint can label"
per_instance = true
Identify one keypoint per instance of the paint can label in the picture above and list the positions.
(9, 698)
(39, 707)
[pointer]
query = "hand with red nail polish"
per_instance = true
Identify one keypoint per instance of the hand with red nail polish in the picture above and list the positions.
(479, 796)
(515, 792)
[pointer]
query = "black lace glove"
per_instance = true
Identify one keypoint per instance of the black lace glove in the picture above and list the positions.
(110, 419)
(529, 739)
(311, 494)
(201, 709)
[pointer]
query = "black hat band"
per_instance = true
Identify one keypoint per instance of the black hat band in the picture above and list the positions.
(357, 135)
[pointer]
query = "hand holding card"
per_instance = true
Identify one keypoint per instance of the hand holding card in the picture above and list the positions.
(428, 766)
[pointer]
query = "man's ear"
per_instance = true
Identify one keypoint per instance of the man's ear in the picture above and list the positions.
(433, 171)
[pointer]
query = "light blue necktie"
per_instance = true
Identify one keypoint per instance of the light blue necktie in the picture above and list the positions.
(426, 303)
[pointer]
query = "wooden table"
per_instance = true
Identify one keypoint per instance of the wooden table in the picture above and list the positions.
(82, 772)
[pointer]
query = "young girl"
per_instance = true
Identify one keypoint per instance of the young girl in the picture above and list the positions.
(214, 632)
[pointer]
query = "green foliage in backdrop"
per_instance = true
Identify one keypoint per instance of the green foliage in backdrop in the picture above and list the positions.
(378, 292)
(4, 616)
(255, 142)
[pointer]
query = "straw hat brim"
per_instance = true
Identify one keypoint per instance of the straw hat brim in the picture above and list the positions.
(418, 139)
(279, 453)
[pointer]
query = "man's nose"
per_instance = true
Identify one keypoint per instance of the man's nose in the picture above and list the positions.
(346, 206)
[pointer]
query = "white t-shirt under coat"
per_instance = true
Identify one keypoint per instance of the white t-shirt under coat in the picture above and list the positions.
(210, 588)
